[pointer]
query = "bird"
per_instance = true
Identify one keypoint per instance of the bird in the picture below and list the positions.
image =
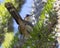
(25, 27)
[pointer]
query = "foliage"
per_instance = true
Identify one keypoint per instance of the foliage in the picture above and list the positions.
(42, 36)
(8, 40)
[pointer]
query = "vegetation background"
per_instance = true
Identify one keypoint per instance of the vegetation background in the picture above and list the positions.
(42, 34)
